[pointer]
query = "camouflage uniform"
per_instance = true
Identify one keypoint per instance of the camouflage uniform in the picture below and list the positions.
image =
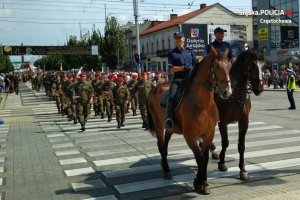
(107, 98)
(83, 91)
(133, 98)
(99, 98)
(143, 87)
(120, 98)
(58, 95)
(70, 93)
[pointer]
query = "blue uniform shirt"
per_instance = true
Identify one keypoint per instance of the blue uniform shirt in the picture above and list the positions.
(181, 57)
(220, 47)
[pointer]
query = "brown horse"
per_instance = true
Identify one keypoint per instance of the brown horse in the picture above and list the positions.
(246, 70)
(196, 116)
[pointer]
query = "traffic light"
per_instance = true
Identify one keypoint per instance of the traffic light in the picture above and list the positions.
(137, 58)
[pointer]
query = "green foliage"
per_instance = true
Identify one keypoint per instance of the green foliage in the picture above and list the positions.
(111, 45)
(5, 63)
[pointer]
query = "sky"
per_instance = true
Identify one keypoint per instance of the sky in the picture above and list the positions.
(51, 22)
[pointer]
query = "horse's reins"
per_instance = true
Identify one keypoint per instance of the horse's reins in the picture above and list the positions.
(212, 85)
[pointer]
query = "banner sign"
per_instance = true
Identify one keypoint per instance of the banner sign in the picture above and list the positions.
(50, 50)
(195, 37)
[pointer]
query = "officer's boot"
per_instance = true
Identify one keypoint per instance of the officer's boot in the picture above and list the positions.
(170, 111)
(82, 126)
(102, 116)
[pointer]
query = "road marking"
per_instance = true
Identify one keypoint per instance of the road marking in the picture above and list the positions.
(67, 152)
(72, 161)
(186, 178)
(80, 171)
(88, 185)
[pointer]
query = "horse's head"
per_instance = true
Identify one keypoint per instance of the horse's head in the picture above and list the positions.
(221, 68)
(257, 62)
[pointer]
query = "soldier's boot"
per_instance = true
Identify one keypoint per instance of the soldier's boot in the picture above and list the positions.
(143, 126)
(134, 113)
(63, 112)
(122, 123)
(82, 126)
(146, 125)
(58, 110)
(75, 120)
(170, 111)
(70, 118)
(119, 125)
(109, 118)
(102, 116)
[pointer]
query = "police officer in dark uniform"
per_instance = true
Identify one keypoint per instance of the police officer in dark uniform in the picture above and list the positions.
(220, 45)
(181, 62)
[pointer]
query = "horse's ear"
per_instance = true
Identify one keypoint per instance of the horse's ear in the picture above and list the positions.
(213, 51)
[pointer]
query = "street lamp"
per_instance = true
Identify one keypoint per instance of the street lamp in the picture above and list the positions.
(136, 15)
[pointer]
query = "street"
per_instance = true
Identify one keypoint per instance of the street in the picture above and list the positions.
(43, 156)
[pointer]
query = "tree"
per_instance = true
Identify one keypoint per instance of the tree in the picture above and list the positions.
(5, 63)
(112, 45)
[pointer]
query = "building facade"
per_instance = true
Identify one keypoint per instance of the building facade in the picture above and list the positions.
(278, 31)
(198, 27)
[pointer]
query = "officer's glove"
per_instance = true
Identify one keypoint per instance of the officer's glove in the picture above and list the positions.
(188, 67)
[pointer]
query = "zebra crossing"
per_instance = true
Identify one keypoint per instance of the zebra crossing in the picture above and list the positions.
(3, 139)
(112, 163)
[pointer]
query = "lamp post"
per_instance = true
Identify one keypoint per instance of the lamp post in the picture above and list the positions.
(136, 15)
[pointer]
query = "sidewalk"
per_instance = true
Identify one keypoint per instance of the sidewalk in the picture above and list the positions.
(31, 170)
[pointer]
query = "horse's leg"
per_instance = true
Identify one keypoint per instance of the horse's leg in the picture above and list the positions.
(214, 154)
(243, 127)
(162, 144)
(200, 182)
(164, 161)
(225, 142)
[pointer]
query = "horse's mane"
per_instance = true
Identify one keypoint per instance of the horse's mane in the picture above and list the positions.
(197, 67)
(238, 66)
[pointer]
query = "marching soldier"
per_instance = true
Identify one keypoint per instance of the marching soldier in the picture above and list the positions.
(15, 80)
(98, 100)
(58, 94)
(83, 93)
(72, 99)
(52, 87)
(107, 96)
(143, 87)
(120, 98)
(133, 98)
(157, 79)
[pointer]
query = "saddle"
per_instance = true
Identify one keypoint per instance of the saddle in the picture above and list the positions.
(177, 99)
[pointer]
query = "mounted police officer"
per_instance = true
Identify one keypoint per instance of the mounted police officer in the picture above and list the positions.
(181, 62)
(220, 45)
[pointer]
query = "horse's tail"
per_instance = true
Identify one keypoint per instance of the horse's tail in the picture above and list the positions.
(151, 126)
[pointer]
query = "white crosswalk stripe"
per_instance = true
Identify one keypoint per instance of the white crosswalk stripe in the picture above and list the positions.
(129, 163)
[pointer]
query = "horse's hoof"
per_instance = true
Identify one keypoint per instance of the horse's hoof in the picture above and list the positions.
(244, 176)
(222, 167)
(167, 175)
(201, 189)
(214, 156)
